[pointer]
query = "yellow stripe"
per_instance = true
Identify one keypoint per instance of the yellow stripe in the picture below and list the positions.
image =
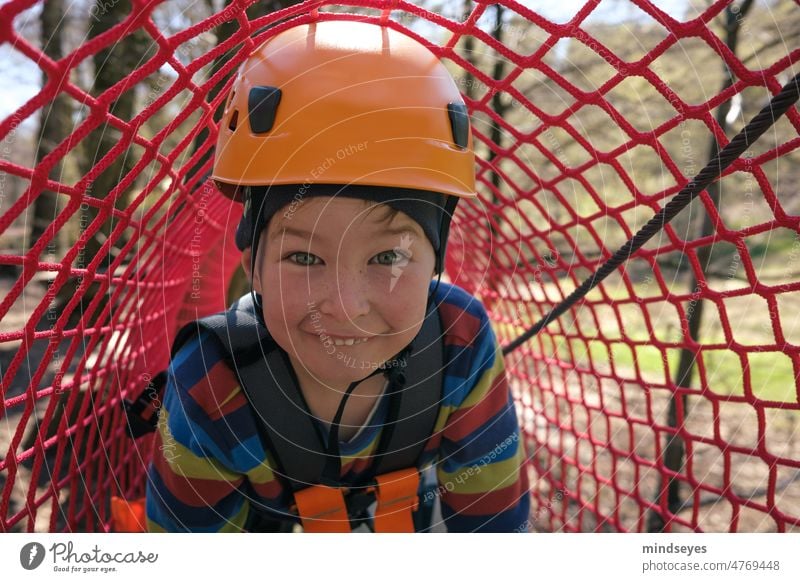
(482, 478)
(261, 474)
(480, 389)
(184, 462)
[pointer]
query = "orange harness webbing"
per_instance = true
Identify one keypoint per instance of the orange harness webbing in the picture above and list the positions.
(322, 509)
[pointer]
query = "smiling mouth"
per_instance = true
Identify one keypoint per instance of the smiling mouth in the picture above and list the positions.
(337, 341)
(340, 341)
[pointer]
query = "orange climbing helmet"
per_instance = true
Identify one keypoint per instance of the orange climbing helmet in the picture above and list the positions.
(345, 102)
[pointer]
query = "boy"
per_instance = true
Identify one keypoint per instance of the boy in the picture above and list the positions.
(368, 392)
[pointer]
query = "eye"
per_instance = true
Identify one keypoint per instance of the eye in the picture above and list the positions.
(304, 259)
(389, 258)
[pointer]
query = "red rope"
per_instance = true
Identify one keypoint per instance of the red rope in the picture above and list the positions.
(556, 199)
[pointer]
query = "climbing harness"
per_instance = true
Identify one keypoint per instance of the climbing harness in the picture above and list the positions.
(306, 462)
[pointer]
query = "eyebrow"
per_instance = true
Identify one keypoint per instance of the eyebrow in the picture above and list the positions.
(301, 233)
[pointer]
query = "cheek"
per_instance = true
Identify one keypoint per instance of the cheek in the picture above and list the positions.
(403, 304)
(285, 299)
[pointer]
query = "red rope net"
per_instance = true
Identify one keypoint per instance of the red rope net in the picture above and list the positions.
(667, 400)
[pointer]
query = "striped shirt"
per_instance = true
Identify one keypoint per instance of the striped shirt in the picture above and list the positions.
(210, 467)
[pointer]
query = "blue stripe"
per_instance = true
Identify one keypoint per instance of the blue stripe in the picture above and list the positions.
(188, 423)
(197, 357)
(236, 427)
(467, 365)
(485, 352)
(190, 427)
(454, 295)
(248, 454)
(486, 440)
(457, 359)
(186, 350)
(458, 386)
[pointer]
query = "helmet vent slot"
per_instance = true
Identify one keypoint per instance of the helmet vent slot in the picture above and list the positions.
(459, 123)
(262, 104)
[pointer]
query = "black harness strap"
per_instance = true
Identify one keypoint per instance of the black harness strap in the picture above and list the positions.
(290, 432)
(236, 328)
(288, 425)
(415, 399)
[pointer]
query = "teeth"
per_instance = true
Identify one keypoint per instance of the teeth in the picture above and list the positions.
(349, 341)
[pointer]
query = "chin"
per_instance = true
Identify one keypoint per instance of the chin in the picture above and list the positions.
(333, 365)
(338, 373)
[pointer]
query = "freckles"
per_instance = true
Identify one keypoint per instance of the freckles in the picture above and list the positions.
(284, 309)
(289, 286)
(403, 311)
(409, 289)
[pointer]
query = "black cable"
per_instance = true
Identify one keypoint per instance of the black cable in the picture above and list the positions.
(779, 104)
(396, 378)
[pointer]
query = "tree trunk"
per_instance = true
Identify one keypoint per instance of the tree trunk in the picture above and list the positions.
(111, 65)
(496, 136)
(223, 32)
(239, 284)
(54, 126)
(674, 449)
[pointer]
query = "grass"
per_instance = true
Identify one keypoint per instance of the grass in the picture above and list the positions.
(772, 376)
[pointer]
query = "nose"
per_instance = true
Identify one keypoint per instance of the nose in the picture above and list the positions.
(346, 296)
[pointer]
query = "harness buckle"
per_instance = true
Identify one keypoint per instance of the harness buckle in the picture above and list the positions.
(329, 509)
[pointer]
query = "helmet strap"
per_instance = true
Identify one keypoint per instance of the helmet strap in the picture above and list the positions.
(444, 232)
(254, 246)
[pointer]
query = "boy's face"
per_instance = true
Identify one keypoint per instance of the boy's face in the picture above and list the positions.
(333, 272)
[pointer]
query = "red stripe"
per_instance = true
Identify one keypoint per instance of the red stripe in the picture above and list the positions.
(357, 465)
(231, 406)
(213, 388)
(199, 492)
(268, 490)
(463, 422)
(484, 503)
(433, 442)
(460, 327)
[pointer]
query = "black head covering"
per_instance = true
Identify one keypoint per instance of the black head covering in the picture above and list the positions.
(431, 210)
